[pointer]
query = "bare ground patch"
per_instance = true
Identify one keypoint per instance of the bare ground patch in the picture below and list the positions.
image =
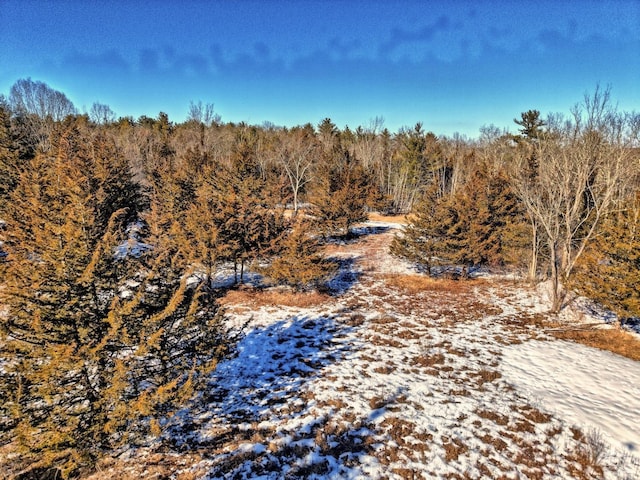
(257, 298)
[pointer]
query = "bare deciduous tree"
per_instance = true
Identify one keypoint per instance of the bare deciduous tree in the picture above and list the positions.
(101, 114)
(38, 107)
(369, 147)
(296, 155)
(38, 98)
(583, 163)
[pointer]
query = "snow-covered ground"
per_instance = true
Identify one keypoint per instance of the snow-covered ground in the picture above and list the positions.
(383, 380)
(596, 389)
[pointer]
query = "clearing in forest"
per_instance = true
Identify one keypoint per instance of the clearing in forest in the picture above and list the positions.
(395, 375)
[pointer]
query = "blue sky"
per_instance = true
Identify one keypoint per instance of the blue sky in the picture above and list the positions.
(452, 65)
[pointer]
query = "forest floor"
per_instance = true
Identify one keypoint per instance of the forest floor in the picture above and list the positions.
(394, 375)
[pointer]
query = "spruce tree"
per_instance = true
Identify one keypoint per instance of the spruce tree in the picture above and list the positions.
(419, 238)
(531, 124)
(173, 320)
(60, 280)
(247, 211)
(99, 348)
(340, 194)
(8, 158)
(297, 261)
(609, 270)
(480, 224)
(203, 230)
(488, 220)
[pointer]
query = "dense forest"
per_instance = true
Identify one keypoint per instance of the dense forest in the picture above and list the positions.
(113, 230)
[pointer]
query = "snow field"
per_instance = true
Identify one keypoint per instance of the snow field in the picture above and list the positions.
(582, 385)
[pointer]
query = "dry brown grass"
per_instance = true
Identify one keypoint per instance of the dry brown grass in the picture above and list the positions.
(405, 442)
(336, 249)
(460, 392)
(586, 459)
(406, 473)
(497, 443)
(385, 369)
(523, 320)
(405, 433)
(428, 360)
(616, 341)
(524, 426)
(532, 414)
(355, 320)
(487, 376)
(495, 417)
(378, 402)
(384, 320)
(380, 341)
(408, 335)
(154, 466)
(531, 456)
(421, 283)
(378, 217)
(453, 448)
(274, 297)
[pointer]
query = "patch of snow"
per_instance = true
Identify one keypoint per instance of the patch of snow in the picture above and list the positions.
(585, 386)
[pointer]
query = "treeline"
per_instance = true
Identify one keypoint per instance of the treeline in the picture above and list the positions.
(561, 200)
(113, 230)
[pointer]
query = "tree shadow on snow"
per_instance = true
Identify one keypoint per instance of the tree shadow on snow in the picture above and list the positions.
(263, 381)
(346, 276)
(261, 416)
(356, 234)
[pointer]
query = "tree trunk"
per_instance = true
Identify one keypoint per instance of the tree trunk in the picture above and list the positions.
(533, 262)
(556, 288)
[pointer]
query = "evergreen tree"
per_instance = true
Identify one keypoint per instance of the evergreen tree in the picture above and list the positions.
(609, 270)
(203, 231)
(419, 238)
(474, 226)
(328, 135)
(173, 320)
(59, 289)
(408, 174)
(488, 215)
(99, 348)
(8, 158)
(531, 124)
(112, 182)
(297, 261)
(340, 194)
(247, 211)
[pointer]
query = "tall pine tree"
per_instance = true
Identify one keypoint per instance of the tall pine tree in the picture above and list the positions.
(60, 280)
(341, 192)
(247, 211)
(99, 348)
(8, 158)
(297, 260)
(479, 224)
